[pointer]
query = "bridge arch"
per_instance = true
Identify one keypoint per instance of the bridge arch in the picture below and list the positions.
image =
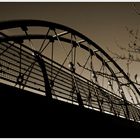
(86, 74)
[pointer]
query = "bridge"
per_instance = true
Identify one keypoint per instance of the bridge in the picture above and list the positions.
(69, 72)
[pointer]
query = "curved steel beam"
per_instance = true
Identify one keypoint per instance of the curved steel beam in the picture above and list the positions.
(40, 23)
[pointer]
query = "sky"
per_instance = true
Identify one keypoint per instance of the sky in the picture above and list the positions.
(103, 22)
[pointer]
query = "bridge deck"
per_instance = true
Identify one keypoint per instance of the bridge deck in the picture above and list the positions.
(19, 73)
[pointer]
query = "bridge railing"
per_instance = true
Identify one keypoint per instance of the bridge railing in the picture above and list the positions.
(19, 68)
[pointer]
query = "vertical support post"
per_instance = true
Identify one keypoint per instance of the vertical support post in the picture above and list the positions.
(96, 81)
(127, 110)
(45, 75)
(98, 100)
(125, 105)
(112, 106)
(79, 99)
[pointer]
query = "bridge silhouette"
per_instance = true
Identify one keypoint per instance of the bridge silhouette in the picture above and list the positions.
(66, 87)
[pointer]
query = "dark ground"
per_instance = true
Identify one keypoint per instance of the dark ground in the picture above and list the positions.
(27, 115)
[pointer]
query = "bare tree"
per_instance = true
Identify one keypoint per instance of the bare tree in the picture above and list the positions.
(131, 53)
(135, 8)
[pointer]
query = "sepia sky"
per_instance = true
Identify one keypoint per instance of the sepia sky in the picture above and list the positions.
(104, 22)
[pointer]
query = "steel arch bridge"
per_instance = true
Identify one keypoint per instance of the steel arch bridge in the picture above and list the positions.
(58, 62)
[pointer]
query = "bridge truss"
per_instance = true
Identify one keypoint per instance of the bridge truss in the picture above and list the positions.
(58, 62)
